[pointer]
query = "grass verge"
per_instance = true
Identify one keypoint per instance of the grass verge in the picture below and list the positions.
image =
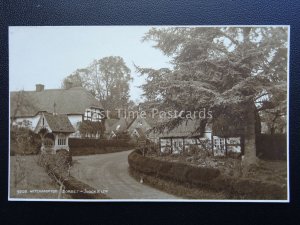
(30, 181)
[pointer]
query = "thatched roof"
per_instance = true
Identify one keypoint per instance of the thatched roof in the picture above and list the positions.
(187, 128)
(67, 101)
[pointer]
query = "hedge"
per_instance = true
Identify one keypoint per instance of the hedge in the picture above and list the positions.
(79, 151)
(170, 170)
(80, 190)
(206, 177)
(99, 143)
(98, 146)
(57, 167)
(271, 147)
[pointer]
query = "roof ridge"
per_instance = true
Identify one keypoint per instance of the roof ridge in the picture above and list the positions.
(55, 89)
(68, 101)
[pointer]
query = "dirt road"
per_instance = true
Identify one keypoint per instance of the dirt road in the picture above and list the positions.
(110, 172)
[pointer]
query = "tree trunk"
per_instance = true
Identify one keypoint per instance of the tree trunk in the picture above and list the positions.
(250, 147)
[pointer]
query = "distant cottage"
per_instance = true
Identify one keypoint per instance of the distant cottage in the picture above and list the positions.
(76, 103)
(138, 127)
(135, 128)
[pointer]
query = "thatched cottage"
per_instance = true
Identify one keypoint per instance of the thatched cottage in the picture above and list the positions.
(74, 102)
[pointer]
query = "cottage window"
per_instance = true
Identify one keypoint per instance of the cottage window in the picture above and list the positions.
(219, 143)
(61, 140)
(95, 116)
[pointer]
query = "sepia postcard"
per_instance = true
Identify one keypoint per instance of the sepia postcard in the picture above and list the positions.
(149, 113)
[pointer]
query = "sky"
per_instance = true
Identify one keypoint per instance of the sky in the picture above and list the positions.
(46, 55)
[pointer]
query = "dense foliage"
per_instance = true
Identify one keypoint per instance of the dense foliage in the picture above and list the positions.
(24, 141)
(232, 71)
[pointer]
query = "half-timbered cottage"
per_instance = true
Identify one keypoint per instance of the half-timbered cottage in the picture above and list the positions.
(187, 135)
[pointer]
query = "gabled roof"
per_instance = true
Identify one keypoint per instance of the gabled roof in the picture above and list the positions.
(140, 132)
(57, 123)
(67, 101)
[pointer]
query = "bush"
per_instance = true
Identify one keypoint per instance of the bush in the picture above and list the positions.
(64, 155)
(58, 163)
(24, 141)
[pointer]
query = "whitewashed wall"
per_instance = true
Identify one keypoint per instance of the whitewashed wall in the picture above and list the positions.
(23, 120)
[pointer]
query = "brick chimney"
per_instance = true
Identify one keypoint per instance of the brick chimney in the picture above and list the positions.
(39, 87)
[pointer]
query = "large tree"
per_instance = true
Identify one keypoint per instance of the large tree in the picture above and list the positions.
(107, 79)
(233, 71)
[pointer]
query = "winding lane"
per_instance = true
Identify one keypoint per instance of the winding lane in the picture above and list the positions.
(109, 172)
